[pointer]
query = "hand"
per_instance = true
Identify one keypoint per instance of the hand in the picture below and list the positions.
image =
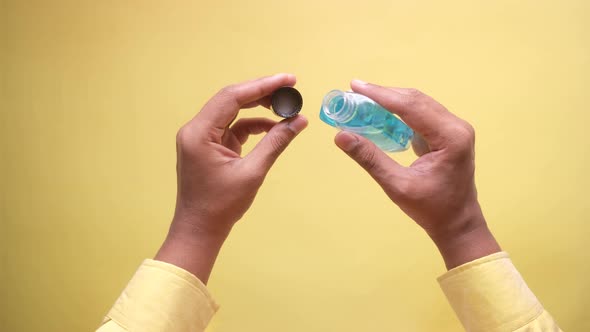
(438, 190)
(215, 184)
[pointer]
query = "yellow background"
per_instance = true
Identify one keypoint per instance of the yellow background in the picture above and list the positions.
(93, 93)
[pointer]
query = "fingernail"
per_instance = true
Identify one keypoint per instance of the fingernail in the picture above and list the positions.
(359, 82)
(346, 141)
(297, 124)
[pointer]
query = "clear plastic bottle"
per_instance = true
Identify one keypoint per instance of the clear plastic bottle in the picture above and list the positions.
(359, 114)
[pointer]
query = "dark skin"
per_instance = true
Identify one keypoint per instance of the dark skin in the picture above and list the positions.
(438, 190)
(216, 185)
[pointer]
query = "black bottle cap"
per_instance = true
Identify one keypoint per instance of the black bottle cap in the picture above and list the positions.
(286, 102)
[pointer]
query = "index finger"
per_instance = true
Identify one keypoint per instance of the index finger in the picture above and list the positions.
(222, 109)
(422, 113)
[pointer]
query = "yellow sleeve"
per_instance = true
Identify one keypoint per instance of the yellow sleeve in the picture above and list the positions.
(488, 294)
(161, 297)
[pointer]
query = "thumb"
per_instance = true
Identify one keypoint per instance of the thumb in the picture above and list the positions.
(266, 152)
(378, 164)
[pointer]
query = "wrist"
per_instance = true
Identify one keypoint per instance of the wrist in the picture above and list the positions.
(192, 247)
(190, 222)
(466, 241)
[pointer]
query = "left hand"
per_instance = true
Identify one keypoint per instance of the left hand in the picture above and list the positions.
(438, 190)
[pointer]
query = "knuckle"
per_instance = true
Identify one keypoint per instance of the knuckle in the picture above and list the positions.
(279, 142)
(416, 194)
(405, 189)
(367, 157)
(228, 93)
(414, 98)
(255, 179)
(470, 131)
(461, 135)
(181, 135)
(186, 140)
(228, 90)
(392, 184)
(466, 134)
(414, 92)
(463, 138)
(260, 91)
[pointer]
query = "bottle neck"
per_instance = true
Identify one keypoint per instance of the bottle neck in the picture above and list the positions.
(339, 106)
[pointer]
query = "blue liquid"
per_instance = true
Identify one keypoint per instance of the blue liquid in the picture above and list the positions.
(358, 114)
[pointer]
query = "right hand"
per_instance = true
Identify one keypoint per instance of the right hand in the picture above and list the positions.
(216, 183)
(438, 190)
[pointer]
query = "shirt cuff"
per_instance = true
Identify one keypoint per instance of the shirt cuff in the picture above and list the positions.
(163, 297)
(488, 294)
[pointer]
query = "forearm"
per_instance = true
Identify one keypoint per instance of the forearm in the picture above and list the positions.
(192, 249)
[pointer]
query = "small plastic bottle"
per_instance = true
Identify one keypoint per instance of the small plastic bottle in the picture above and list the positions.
(359, 114)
